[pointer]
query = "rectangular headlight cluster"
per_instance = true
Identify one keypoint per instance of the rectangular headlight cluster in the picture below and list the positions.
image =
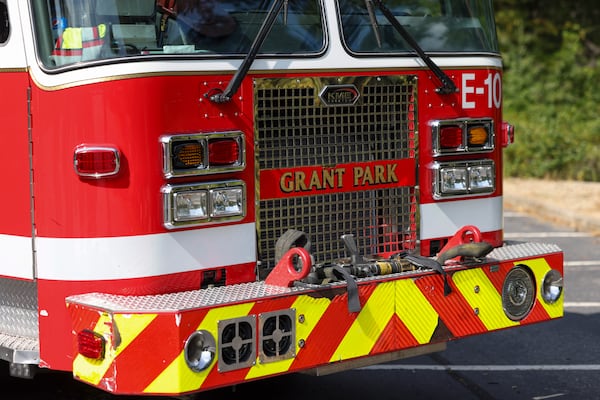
(192, 205)
(458, 136)
(205, 153)
(465, 178)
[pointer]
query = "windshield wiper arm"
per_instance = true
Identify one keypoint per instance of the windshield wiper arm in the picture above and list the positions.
(448, 86)
(237, 79)
(373, 20)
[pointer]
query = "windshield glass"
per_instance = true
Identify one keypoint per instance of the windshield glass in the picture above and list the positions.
(74, 31)
(438, 26)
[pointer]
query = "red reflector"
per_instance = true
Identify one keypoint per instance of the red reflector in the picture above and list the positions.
(450, 137)
(90, 344)
(508, 134)
(96, 162)
(223, 152)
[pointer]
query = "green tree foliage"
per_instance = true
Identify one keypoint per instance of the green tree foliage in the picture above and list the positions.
(551, 54)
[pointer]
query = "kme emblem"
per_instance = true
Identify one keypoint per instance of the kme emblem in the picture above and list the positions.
(339, 95)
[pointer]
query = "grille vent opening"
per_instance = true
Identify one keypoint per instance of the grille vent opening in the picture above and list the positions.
(294, 129)
(237, 343)
(277, 335)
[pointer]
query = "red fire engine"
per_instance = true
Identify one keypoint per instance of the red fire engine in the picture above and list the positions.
(205, 193)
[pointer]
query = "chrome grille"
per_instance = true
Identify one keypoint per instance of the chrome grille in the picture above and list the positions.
(295, 129)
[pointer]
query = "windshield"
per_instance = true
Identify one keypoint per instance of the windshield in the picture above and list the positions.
(74, 31)
(438, 26)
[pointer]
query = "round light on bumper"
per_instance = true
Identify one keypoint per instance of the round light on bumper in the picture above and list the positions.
(518, 293)
(552, 286)
(199, 350)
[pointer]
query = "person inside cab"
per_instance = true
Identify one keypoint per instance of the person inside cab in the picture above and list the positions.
(201, 19)
(202, 23)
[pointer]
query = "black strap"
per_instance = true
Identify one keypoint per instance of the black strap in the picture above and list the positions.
(353, 300)
(432, 264)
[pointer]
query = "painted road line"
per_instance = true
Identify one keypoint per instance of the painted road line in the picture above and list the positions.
(546, 235)
(484, 368)
(574, 264)
(581, 304)
(549, 396)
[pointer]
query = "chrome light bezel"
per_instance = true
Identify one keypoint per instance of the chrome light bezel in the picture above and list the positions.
(440, 191)
(84, 149)
(464, 124)
(174, 220)
(169, 141)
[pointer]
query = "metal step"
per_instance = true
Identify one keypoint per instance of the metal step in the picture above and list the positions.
(19, 332)
(19, 349)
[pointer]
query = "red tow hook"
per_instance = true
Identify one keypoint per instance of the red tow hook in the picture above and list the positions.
(285, 274)
(466, 234)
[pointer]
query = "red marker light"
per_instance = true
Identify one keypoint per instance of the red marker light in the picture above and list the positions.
(451, 137)
(223, 152)
(91, 344)
(508, 134)
(96, 162)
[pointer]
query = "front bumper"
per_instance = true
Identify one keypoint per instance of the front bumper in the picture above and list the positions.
(263, 330)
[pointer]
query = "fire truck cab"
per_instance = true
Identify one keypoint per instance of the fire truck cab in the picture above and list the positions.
(224, 191)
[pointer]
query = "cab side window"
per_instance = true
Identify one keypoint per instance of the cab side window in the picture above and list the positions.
(4, 24)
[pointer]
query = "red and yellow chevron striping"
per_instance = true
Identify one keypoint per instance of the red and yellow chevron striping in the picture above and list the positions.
(145, 350)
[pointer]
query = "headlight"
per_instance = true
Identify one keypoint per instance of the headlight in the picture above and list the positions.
(464, 178)
(227, 202)
(481, 178)
(199, 350)
(191, 205)
(518, 293)
(552, 286)
(453, 180)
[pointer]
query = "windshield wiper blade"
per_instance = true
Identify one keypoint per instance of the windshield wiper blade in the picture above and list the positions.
(237, 79)
(448, 86)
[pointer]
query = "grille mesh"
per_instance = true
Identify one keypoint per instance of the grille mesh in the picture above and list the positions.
(294, 128)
